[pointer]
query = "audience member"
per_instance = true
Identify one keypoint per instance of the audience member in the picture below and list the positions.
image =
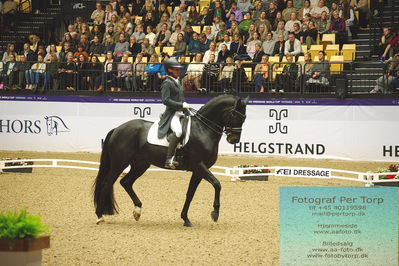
(261, 74)
(67, 72)
(288, 10)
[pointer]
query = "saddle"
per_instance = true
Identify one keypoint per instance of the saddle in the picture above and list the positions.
(152, 136)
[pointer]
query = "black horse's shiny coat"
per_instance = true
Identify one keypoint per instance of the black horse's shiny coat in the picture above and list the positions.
(127, 145)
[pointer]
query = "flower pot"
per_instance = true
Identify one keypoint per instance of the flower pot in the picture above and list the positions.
(256, 178)
(21, 252)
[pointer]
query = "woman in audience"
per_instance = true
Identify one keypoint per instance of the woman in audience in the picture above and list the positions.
(138, 74)
(245, 23)
(108, 75)
(35, 75)
(279, 18)
(146, 48)
(209, 34)
(124, 73)
(192, 15)
(51, 74)
(109, 11)
(173, 36)
(304, 10)
(180, 46)
(123, 11)
(210, 74)
(162, 37)
(163, 9)
(258, 9)
(85, 31)
(334, 7)
(237, 46)
(305, 70)
(149, 20)
(289, 25)
(323, 25)
(223, 54)
(179, 20)
(338, 28)
(258, 53)
(81, 66)
(114, 23)
(310, 35)
(262, 32)
(261, 74)
(92, 70)
(97, 32)
(52, 49)
(67, 72)
(134, 47)
(68, 39)
(279, 47)
(10, 50)
(194, 73)
(298, 33)
(164, 20)
(262, 20)
(280, 31)
(272, 14)
(150, 73)
(251, 44)
(217, 25)
(226, 75)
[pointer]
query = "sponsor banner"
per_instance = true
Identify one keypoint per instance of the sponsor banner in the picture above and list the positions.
(303, 172)
(306, 128)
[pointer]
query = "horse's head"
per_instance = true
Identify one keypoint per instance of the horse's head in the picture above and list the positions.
(49, 122)
(234, 120)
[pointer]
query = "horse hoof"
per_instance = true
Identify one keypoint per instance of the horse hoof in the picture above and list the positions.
(215, 216)
(137, 213)
(100, 220)
(188, 224)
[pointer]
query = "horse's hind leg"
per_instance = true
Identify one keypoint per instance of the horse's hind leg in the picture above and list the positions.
(127, 183)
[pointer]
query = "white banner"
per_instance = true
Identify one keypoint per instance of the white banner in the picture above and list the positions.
(291, 128)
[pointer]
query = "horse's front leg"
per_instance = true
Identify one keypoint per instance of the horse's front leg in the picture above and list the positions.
(208, 176)
(192, 187)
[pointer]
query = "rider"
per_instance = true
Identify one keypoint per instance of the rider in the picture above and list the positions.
(173, 98)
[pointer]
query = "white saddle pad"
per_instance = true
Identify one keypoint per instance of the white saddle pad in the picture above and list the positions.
(152, 136)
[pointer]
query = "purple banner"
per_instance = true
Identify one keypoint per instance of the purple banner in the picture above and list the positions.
(196, 100)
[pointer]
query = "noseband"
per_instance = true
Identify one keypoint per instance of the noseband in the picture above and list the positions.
(228, 129)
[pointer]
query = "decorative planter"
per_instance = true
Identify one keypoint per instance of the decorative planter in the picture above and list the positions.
(256, 178)
(16, 170)
(21, 252)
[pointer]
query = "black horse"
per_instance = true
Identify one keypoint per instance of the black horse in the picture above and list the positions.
(127, 145)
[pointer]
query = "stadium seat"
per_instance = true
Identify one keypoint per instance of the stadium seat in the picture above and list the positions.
(248, 72)
(59, 48)
(349, 52)
(301, 59)
(274, 59)
(169, 8)
(336, 64)
(328, 39)
(332, 49)
(197, 29)
(304, 48)
(315, 49)
(144, 59)
(130, 59)
(137, 19)
(187, 59)
(157, 50)
(203, 4)
(101, 59)
(169, 50)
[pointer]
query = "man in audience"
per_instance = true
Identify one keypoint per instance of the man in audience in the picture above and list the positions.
(98, 12)
(288, 11)
(394, 44)
(10, 73)
(235, 11)
(386, 37)
(317, 10)
(22, 67)
(320, 73)
(226, 41)
(292, 46)
(268, 44)
(121, 47)
(182, 11)
(96, 47)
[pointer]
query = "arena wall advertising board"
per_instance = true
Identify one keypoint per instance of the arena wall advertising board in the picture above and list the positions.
(352, 129)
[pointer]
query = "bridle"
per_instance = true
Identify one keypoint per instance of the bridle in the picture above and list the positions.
(217, 128)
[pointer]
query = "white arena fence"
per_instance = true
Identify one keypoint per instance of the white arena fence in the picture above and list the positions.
(369, 178)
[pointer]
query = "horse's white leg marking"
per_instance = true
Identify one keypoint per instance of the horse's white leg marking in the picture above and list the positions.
(100, 220)
(137, 213)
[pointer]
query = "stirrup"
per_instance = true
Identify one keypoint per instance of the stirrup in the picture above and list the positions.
(171, 164)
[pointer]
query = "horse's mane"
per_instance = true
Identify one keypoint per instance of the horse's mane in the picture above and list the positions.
(221, 98)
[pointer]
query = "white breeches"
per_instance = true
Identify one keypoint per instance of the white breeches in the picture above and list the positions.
(175, 124)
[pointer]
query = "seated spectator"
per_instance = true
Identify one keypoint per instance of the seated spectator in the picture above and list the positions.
(10, 50)
(127, 26)
(35, 42)
(67, 72)
(251, 44)
(139, 34)
(138, 74)
(292, 46)
(306, 68)
(263, 20)
(149, 7)
(218, 10)
(98, 12)
(334, 7)
(338, 28)
(210, 75)
(22, 67)
(320, 74)
(123, 11)
(182, 11)
(152, 69)
(364, 12)
(231, 20)
(268, 44)
(192, 15)
(318, 10)
(212, 50)
(150, 20)
(262, 32)
(279, 47)
(93, 70)
(81, 65)
(226, 76)
(209, 34)
(96, 47)
(162, 37)
(223, 54)
(51, 80)
(392, 47)
(288, 10)
(194, 74)
(310, 35)
(84, 41)
(163, 9)
(248, 35)
(351, 24)
(386, 37)
(173, 36)
(245, 6)
(178, 21)
(258, 53)
(51, 49)
(289, 25)
(285, 82)
(323, 25)
(261, 74)
(109, 44)
(304, 10)
(150, 35)
(237, 46)
(280, 31)
(258, 10)
(10, 72)
(194, 45)
(221, 31)
(277, 20)
(72, 32)
(124, 74)
(188, 34)
(108, 74)
(271, 14)
(134, 47)
(245, 23)
(85, 31)
(298, 33)
(204, 43)
(80, 51)
(121, 47)
(29, 54)
(109, 11)
(239, 77)
(206, 18)
(234, 10)
(384, 83)
(146, 48)
(233, 29)
(180, 46)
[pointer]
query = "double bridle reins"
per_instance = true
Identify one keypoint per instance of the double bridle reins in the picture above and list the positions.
(217, 128)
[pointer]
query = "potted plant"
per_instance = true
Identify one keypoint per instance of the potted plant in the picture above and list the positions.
(20, 240)
(258, 174)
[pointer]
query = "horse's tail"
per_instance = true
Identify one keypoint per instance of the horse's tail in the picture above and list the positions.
(103, 189)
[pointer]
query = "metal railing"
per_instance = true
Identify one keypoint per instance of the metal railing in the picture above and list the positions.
(295, 79)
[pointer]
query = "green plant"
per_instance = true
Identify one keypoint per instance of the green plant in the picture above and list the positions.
(391, 169)
(253, 171)
(20, 224)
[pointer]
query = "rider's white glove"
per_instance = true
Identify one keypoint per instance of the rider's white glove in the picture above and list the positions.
(186, 105)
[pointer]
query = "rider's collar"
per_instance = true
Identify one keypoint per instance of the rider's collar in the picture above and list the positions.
(175, 79)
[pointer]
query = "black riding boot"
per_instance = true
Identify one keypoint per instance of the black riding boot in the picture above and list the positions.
(173, 141)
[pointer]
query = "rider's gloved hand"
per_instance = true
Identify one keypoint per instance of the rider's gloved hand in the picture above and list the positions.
(186, 105)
